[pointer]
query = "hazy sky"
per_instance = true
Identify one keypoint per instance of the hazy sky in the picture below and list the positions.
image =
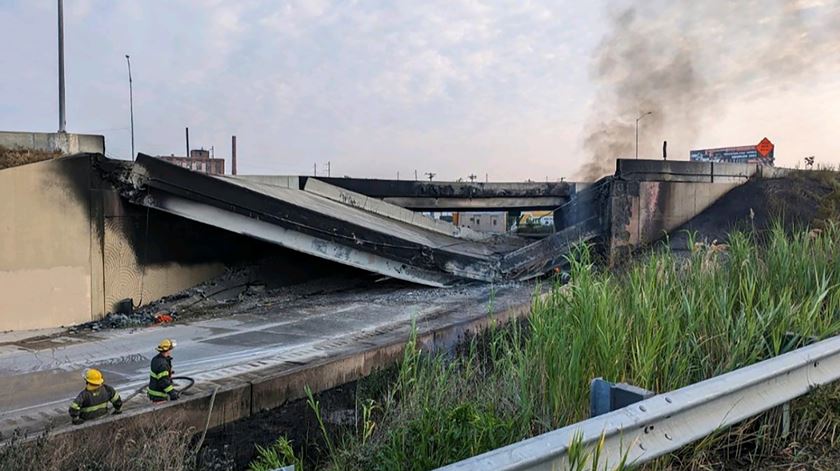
(379, 87)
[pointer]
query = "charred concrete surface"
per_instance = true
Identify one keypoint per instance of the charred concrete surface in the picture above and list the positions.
(460, 196)
(320, 222)
(649, 199)
(149, 229)
(71, 246)
(46, 244)
(255, 360)
(99, 230)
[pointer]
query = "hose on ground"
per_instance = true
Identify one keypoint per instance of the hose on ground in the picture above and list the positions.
(207, 423)
(140, 390)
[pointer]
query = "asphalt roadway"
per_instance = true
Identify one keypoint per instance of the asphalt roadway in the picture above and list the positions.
(41, 374)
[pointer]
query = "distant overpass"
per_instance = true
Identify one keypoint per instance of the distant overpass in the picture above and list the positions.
(461, 196)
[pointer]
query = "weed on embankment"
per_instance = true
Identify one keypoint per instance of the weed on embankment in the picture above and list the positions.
(661, 323)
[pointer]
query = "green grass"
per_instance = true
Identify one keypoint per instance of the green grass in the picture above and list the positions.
(662, 323)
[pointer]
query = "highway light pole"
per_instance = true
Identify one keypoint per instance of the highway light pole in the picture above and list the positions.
(62, 122)
(130, 103)
(637, 131)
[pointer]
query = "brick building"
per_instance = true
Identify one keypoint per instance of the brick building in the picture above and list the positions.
(199, 161)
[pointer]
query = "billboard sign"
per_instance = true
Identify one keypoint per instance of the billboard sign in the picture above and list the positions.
(761, 153)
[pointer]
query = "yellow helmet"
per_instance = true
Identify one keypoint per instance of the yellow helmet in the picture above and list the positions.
(93, 376)
(165, 345)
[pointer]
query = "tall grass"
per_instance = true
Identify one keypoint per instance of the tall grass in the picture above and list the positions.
(664, 322)
(141, 443)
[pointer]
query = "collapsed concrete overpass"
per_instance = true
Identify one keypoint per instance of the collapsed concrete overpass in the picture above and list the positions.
(461, 196)
(99, 230)
(312, 216)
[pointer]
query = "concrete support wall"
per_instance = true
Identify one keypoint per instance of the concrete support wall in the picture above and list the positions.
(66, 143)
(45, 245)
(69, 248)
(124, 275)
(648, 199)
(643, 212)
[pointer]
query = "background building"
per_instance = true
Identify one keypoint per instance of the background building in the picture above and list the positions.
(484, 222)
(199, 161)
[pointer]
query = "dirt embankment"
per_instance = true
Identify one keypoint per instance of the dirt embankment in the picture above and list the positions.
(17, 156)
(799, 200)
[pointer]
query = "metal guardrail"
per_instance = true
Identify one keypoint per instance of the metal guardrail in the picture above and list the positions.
(653, 427)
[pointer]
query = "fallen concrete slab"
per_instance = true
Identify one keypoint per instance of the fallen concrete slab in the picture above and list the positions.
(383, 208)
(318, 219)
(460, 196)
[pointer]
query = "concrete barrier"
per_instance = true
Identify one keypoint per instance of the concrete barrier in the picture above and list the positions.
(66, 143)
(689, 171)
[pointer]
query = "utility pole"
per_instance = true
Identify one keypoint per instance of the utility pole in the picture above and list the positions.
(415, 174)
(637, 131)
(430, 175)
(187, 132)
(398, 174)
(233, 155)
(62, 121)
(472, 177)
(328, 168)
(315, 169)
(131, 104)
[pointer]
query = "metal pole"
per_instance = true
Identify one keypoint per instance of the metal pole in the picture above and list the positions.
(62, 122)
(187, 132)
(637, 131)
(233, 154)
(131, 104)
(637, 138)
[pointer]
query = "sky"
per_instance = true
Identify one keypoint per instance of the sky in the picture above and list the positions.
(508, 90)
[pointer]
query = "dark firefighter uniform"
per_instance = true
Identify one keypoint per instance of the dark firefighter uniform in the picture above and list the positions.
(92, 403)
(160, 377)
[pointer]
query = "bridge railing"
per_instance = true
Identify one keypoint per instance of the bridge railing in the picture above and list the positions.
(653, 427)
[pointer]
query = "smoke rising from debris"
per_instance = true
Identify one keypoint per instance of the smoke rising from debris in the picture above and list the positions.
(685, 62)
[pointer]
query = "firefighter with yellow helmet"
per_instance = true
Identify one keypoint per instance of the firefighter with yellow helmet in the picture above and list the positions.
(92, 403)
(160, 378)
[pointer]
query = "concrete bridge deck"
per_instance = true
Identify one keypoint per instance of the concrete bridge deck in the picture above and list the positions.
(316, 218)
(461, 196)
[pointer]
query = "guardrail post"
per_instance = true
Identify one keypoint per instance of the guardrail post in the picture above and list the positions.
(790, 342)
(606, 397)
(600, 400)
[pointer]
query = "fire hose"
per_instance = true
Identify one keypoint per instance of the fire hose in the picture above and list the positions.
(190, 382)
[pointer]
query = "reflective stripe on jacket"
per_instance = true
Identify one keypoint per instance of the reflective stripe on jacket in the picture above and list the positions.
(160, 378)
(93, 403)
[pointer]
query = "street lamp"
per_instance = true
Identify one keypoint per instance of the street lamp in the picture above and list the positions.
(130, 103)
(637, 131)
(62, 122)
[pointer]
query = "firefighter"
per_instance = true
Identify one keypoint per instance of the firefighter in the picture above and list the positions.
(92, 403)
(160, 378)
